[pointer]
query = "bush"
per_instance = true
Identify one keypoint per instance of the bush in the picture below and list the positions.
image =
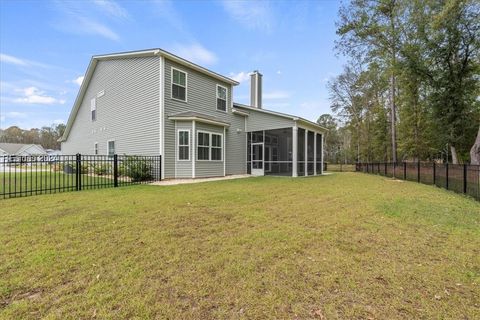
(71, 167)
(137, 168)
(102, 169)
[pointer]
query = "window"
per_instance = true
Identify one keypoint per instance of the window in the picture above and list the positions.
(111, 148)
(95, 148)
(183, 145)
(221, 98)
(203, 146)
(216, 147)
(179, 85)
(209, 146)
(93, 109)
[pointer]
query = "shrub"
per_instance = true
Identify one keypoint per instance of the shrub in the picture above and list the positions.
(102, 169)
(137, 168)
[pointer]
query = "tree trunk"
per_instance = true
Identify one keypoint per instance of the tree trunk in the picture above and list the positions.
(454, 155)
(475, 151)
(393, 107)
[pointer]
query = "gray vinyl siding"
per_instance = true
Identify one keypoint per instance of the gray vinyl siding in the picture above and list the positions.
(183, 168)
(257, 121)
(201, 97)
(208, 168)
(128, 112)
(236, 146)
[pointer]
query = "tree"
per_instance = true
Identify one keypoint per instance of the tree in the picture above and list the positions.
(333, 144)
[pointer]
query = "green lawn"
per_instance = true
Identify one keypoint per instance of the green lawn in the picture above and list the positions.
(347, 245)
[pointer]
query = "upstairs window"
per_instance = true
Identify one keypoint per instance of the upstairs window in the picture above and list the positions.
(93, 109)
(221, 98)
(183, 145)
(111, 148)
(179, 85)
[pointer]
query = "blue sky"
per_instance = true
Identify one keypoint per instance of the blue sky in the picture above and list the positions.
(45, 48)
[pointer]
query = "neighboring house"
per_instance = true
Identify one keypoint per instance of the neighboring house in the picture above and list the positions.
(53, 152)
(152, 102)
(20, 149)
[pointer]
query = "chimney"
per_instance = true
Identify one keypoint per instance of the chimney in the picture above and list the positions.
(256, 89)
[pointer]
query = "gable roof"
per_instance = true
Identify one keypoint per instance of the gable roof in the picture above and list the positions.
(132, 54)
(280, 114)
(16, 148)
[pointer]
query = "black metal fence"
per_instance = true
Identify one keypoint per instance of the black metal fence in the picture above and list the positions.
(339, 167)
(460, 178)
(22, 176)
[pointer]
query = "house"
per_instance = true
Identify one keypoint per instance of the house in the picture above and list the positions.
(21, 150)
(152, 102)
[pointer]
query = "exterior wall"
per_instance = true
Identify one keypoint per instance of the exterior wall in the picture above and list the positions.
(201, 97)
(32, 150)
(208, 168)
(128, 112)
(258, 121)
(183, 168)
(236, 146)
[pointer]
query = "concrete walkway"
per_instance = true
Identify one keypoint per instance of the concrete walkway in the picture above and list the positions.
(172, 182)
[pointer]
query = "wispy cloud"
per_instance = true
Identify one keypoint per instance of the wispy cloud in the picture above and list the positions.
(165, 9)
(112, 8)
(195, 53)
(242, 76)
(5, 58)
(277, 94)
(251, 14)
(33, 95)
(78, 80)
(16, 115)
(89, 26)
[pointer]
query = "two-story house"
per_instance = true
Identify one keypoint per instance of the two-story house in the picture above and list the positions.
(152, 102)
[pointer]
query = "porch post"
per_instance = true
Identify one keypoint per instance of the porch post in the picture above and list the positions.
(294, 150)
(306, 153)
(194, 136)
(224, 153)
(322, 154)
(314, 153)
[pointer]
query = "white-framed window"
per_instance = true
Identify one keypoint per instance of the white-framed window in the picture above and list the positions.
(95, 148)
(111, 147)
(183, 137)
(221, 98)
(179, 85)
(209, 146)
(93, 109)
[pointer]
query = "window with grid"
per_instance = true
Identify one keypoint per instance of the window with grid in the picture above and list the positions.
(179, 85)
(111, 148)
(221, 98)
(216, 147)
(183, 145)
(203, 150)
(93, 109)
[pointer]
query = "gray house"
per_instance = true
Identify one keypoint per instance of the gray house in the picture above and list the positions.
(152, 102)
(21, 149)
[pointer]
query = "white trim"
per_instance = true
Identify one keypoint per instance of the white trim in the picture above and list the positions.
(226, 98)
(322, 155)
(306, 153)
(177, 143)
(162, 114)
(193, 147)
(108, 146)
(294, 150)
(314, 153)
(210, 146)
(218, 123)
(223, 152)
(242, 113)
(171, 84)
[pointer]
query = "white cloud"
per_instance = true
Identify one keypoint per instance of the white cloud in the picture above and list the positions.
(33, 95)
(79, 80)
(274, 95)
(58, 121)
(90, 26)
(241, 76)
(251, 14)
(12, 60)
(195, 53)
(279, 72)
(112, 8)
(17, 115)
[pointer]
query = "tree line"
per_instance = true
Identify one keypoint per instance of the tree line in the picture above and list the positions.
(47, 137)
(410, 90)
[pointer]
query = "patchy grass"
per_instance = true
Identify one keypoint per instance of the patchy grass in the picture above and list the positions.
(340, 246)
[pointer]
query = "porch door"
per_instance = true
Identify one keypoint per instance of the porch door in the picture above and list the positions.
(257, 159)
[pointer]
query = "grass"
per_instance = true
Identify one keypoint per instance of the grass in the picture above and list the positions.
(347, 245)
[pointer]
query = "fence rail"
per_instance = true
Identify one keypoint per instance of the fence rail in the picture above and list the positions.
(460, 178)
(33, 175)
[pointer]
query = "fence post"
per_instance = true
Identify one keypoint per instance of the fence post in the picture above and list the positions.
(464, 178)
(404, 170)
(160, 168)
(434, 173)
(78, 172)
(115, 170)
(446, 175)
(418, 171)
